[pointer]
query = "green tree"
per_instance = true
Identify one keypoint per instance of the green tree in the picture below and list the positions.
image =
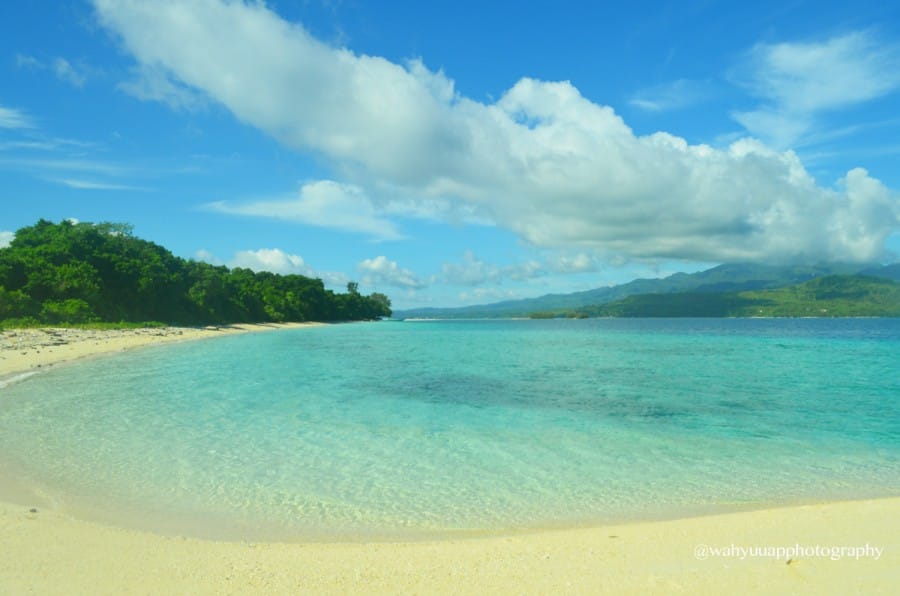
(78, 272)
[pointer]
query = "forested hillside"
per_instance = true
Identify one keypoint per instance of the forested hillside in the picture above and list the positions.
(829, 296)
(83, 272)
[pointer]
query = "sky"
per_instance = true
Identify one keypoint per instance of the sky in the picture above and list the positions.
(454, 153)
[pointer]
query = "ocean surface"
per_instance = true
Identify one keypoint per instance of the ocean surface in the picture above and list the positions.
(433, 428)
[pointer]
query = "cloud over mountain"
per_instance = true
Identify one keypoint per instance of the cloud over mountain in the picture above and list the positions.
(543, 160)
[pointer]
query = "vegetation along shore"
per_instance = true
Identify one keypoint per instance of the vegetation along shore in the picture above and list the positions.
(75, 273)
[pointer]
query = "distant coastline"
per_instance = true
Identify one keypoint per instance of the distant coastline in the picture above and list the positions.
(735, 290)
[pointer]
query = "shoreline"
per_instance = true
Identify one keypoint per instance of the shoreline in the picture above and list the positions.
(48, 551)
(24, 351)
(840, 547)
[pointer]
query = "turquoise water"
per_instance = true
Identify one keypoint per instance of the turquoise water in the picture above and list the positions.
(406, 429)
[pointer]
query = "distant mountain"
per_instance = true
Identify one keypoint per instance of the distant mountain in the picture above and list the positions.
(887, 271)
(724, 278)
(829, 296)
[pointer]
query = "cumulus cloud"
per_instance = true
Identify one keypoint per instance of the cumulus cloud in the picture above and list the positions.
(381, 271)
(6, 238)
(12, 118)
(274, 260)
(543, 161)
(800, 81)
(322, 203)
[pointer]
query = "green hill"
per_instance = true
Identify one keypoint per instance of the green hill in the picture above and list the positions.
(829, 296)
(69, 273)
(735, 277)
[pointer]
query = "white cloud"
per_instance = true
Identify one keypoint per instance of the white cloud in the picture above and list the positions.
(207, 257)
(671, 96)
(6, 238)
(543, 161)
(436, 210)
(62, 68)
(66, 165)
(800, 81)
(66, 72)
(76, 173)
(272, 259)
(28, 145)
(580, 263)
(322, 203)
(472, 271)
(43, 143)
(12, 118)
(94, 185)
(381, 271)
(153, 84)
(29, 62)
(275, 260)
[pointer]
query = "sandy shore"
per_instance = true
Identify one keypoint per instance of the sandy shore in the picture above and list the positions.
(47, 552)
(24, 350)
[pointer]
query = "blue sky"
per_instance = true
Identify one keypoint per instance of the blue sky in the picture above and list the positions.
(451, 153)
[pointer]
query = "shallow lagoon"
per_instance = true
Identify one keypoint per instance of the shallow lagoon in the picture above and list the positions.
(426, 428)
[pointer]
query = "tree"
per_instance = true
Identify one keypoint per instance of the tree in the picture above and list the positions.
(381, 303)
(78, 272)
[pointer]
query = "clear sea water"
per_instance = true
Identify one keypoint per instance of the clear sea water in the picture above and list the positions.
(414, 429)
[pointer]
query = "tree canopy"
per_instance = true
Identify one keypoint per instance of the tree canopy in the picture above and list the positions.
(83, 272)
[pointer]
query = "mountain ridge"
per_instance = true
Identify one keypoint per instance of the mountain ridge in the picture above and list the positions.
(828, 296)
(735, 277)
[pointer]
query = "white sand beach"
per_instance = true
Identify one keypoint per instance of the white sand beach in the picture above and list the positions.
(25, 350)
(45, 552)
(827, 548)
